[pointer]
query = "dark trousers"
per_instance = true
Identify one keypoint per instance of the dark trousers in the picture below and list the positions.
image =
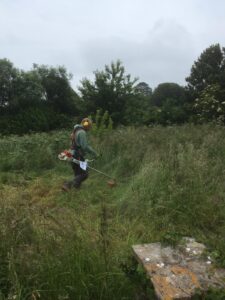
(79, 175)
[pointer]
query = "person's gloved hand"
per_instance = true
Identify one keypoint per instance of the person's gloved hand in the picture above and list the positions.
(89, 160)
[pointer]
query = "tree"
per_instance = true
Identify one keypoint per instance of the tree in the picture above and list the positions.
(210, 105)
(169, 104)
(166, 91)
(110, 91)
(28, 91)
(209, 69)
(8, 76)
(136, 110)
(58, 92)
(144, 89)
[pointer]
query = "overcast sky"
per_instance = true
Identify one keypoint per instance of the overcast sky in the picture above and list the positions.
(156, 40)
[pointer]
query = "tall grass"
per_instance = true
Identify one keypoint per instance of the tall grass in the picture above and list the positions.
(170, 183)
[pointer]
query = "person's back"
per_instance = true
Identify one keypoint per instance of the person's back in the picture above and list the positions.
(80, 144)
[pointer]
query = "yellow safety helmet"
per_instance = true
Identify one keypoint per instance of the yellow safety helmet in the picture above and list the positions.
(86, 123)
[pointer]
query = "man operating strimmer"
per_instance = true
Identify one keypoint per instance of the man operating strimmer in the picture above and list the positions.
(80, 148)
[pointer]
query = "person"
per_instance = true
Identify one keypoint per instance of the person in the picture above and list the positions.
(79, 147)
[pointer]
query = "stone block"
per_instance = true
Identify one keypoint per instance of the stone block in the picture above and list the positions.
(176, 273)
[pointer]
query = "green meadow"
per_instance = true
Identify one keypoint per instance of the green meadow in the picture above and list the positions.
(77, 245)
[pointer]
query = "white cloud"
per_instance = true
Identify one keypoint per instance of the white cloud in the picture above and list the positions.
(159, 57)
(157, 40)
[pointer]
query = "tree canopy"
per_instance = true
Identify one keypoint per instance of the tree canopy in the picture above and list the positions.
(43, 98)
(110, 91)
(39, 99)
(57, 89)
(8, 75)
(209, 69)
(144, 89)
(168, 90)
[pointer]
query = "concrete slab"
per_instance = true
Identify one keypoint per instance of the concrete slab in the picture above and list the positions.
(176, 273)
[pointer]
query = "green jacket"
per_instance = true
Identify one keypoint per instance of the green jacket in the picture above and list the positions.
(82, 142)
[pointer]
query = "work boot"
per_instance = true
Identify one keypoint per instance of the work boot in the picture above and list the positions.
(65, 187)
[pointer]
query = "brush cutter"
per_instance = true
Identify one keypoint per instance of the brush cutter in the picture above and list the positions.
(67, 156)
